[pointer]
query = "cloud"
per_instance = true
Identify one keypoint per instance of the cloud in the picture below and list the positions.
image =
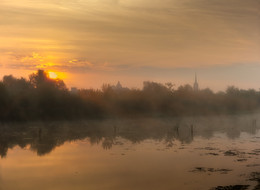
(129, 36)
(36, 61)
(241, 74)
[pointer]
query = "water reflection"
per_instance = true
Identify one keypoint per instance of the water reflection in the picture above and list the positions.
(44, 137)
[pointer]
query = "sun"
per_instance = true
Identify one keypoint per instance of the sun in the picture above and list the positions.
(56, 75)
(52, 75)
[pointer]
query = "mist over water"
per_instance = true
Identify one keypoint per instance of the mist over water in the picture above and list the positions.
(43, 137)
(123, 95)
(157, 137)
(181, 152)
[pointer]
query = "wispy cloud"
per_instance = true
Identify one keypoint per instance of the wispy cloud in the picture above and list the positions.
(128, 36)
(217, 28)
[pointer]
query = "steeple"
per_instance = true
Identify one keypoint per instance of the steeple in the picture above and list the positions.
(119, 86)
(196, 85)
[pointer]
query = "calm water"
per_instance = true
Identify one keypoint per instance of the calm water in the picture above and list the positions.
(181, 153)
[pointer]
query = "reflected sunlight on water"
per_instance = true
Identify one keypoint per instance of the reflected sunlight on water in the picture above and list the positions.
(130, 154)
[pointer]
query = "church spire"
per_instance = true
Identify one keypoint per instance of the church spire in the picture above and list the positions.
(196, 85)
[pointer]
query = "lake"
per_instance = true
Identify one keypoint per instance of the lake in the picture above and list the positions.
(214, 152)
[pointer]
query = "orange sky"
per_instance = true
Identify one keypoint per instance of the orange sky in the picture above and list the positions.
(91, 42)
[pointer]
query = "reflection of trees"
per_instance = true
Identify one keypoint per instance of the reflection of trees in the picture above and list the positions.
(185, 133)
(43, 138)
(108, 142)
(3, 148)
(233, 132)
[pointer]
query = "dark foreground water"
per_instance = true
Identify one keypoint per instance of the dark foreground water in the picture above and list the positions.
(152, 153)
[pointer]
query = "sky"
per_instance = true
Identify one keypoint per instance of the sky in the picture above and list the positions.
(91, 42)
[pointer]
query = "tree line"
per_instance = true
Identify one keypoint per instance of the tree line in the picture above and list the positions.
(43, 98)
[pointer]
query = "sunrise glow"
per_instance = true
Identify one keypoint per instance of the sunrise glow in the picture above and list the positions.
(52, 75)
(92, 89)
(96, 42)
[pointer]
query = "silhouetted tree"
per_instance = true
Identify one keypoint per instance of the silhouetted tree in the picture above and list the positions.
(43, 98)
(41, 80)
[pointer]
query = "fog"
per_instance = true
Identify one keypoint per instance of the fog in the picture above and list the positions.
(43, 137)
(44, 99)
